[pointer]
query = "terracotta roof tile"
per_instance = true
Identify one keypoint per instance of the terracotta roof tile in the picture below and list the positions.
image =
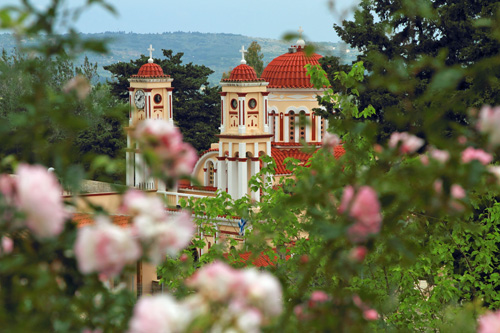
(242, 73)
(279, 155)
(199, 188)
(263, 260)
(150, 70)
(83, 219)
(287, 70)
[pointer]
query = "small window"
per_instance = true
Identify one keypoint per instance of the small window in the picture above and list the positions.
(234, 103)
(157, 98)
(252, 103)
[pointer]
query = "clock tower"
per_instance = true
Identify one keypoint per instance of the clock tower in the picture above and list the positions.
(150, 97)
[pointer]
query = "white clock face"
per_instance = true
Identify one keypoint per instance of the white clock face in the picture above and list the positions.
(140, 99)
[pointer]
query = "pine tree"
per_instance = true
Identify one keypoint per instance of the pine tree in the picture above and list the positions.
(254, 58)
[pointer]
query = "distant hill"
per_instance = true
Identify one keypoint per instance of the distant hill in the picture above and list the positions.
(217, 51)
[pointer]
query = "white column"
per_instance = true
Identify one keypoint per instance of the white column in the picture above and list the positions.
(221, 174)
(139, 178)
(267, 125)
(286, 128)
(170, 111)
(232, 178)
(242, 117)
(242, 177)
(318, 129)
(296, 130)
(326, 125)
(268, 148)
(255, 170)
(147, 106)
(308, 128)
(223, 114)
(130, 162)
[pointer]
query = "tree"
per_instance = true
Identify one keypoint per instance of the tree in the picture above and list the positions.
(196, 104)
(451, 32)
(254, 58)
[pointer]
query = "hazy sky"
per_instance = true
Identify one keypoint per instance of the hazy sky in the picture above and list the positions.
(254, 18)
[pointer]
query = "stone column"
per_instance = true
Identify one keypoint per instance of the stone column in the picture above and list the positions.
(168, 103)
(223, 114)
(242, 177)
(242, 113)
(255, 170)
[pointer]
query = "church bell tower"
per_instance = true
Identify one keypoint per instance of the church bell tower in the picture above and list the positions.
(150, 97)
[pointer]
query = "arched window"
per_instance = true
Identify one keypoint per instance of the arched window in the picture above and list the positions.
(210, 173)
(302, 128)
(291, 127)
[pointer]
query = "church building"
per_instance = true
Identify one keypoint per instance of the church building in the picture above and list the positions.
(259, 116)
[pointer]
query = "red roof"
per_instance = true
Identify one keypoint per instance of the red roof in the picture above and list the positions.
(198, 188)
(287, 70)
(83, 219)
(263, 260)
(279, 156)
(150, 70)
(243, 73)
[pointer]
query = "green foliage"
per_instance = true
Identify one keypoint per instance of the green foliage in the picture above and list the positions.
(254, 58)
(196, 104)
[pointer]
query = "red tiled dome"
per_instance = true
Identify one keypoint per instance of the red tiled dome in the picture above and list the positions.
(243, 73)
(287, 70)
(150, 70)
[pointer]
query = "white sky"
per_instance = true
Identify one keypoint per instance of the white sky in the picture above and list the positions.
(254, 18)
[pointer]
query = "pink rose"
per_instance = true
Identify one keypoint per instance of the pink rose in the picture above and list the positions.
(318, 296)
(39, 196)
(457, 191)
(488, 123)
(159, 314)
(471, 154)
(260, 289)
(489, 323)
(216, 281)
(370, 314)
(171, 237)
(358, 254)
(365, 209)
(440, 155)
(409, 142)
(331, 140)
(7, 245)
(105, 248)
(176, 158)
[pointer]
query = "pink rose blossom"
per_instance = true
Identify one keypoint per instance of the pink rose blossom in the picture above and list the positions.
(358, 254)
(163, 234)
(440, 155)
(216, 281)
(39, 196)
(409, 142)
(171, 237)
(105, 248)
(260, 289)
(159, 314)
(489, 323)
(331, 140)
(489, 122)
(165, 141)
(7, 245)
(80, 84)
(370, 314)
(317, 297)
(457, 191)
(471, 154)
(8, 188)
(365, 209)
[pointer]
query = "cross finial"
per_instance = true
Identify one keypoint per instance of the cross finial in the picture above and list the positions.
(243, 51)
(150, 60)
(300, 32)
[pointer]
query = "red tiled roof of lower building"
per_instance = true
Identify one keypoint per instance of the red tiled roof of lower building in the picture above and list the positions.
(263, 260)
(279, 155)
(83, 219)
(199, 188)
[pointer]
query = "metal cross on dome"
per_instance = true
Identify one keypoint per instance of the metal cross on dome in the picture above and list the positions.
(243, 51)
(150, 60)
